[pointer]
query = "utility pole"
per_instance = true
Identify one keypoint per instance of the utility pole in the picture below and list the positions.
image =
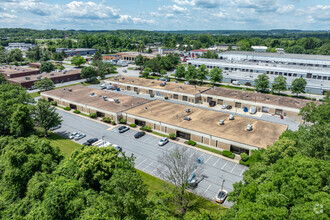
(223, 181)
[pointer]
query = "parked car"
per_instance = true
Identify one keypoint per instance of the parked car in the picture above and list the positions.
(79, 136)
(117, 147)
(253, 110)
(139, 134)
(56, 127)
(221, 196)
(72, 135)
(212, 103)
(223, 106)
(104, 86)
(125, 71)
(92, 140)
(122, 129)
(163, 141)
(229, 107)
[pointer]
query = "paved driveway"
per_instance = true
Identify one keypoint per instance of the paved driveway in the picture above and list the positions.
(147, 151)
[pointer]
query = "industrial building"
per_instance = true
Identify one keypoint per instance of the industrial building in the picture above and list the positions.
(318, 79)
(56, 77)
(89, 100)
(278, 58)
(130, 56)
(265, 103)
(21, 46)
(206, 127)
(171, 90)
(9, 71)
(78, 51)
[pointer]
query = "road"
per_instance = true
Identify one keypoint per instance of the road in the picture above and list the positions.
(147, 152)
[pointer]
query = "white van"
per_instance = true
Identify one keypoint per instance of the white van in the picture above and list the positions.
(253, 110)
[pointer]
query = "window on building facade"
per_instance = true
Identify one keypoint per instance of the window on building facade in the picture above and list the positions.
(175, 96)
(184, 98)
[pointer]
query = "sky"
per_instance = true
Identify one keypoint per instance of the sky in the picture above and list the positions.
(166, 14)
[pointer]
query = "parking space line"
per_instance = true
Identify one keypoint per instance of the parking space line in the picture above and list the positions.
(243, 171)
(224, 165)
(233, 168)
(208, 159)
(156, 168)
(141, 163)
(207, 188)
(148, 166)
(216, 162)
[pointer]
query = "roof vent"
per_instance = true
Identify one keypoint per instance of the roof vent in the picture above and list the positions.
(92, 94)
(116, 100)
(27, 78)
(187, 110)
(187, 118)
(70, 90)
(105, 98)
(231, 117)
(39, 77)
(222, 122)
(52, 74)
(122, 78)
(64, 72)
(249, 127)
(163, 84)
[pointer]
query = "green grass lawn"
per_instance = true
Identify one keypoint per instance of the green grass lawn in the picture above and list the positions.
(65, 145)
(35, 94)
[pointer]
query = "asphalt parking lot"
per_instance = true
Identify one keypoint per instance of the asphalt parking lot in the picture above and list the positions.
(146, 151)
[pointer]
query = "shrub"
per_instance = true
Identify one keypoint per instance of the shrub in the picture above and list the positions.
(172, 136)
(132, 125)
(228, 153)
(67, 108)
(113, 123)
(152, 95)
(76, 111)
(106, 119)
(147, 128)
(192, 143)
(122, 121)
(92, 115)
(54, 103)
(244, 156)
(165, 97)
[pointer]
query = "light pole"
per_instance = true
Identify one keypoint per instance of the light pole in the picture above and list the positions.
(223, 181)
(103, 141)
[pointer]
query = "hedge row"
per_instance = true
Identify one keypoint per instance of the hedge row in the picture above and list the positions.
(67, 108)
(192, 143)
(76, 111)
(146, 128)
(228, 153)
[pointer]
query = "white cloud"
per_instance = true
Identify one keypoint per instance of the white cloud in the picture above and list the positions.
(173, 9)
(184, 2)
(4, 15)
(285, 9)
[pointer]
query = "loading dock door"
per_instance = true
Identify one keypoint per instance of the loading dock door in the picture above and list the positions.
(183, 135)
(140, 123)
(238, 150)
(278, 111)
(73, 106)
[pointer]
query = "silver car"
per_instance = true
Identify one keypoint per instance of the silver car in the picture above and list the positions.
(163, 141)
(72, 135)
(79, 136)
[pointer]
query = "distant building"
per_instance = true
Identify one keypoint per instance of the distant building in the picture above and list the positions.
(111, 57)
(20, 46)
(9, 71)
(259, 48)
(167, 51)
(75, 52)
(56, 77)
(35, 65)
(199, 52)
(130, 56)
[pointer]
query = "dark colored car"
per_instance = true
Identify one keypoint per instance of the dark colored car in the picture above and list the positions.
(89, 142)
(139, 134)
(212, 103)
(229, 107)
(122, 129)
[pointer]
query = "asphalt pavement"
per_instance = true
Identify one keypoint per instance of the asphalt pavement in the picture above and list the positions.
(146, 151)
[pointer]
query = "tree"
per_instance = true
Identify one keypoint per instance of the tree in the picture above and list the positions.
(298, 86)
(216, 75)
(15, 55)
(21, 123)
(202, 72)
(262, 82)
(88, 73)
(177, 166)
(97, 56)
(279, 84)
(3, 80)
(34, 54)
(46, 67)
(146, 72)
(46, 115)
(180, 72)
(78, 60)
(44, 84)
(163, 72)
(191, 73)
(140, 60)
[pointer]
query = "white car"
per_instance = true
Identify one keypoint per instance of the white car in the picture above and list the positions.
(223, 106)
(56, 127)
(72, 135)
(221, 196)
(163, 141)
(79, 136)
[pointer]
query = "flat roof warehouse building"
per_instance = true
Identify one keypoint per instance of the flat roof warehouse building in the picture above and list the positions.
(171, 90)
(89, 100)
(203, 127)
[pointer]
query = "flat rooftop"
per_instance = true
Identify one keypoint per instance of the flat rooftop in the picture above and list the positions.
(137, 53)
(12, 70)
(82, 95)
(280, 55)
(258, 97)
(207, 122)
(155, 84)
(44, 75)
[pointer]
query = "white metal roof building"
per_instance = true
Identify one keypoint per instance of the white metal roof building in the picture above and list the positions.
(20, 46)
(279, 58)
(318, 79)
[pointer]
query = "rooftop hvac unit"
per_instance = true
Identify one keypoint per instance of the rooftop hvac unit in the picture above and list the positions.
(222, 122)
(249, 127)
(92, 94)
(231, 117)
(70, 90)
(52, 74)
(64, 72)
(187, 118)
(187, 110)
(39, 77)
(27, 78)
(116, 100)
(163, 84)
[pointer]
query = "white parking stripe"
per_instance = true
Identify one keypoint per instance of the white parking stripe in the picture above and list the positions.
(208, 159)
(243, 171)
(148, 166)
(216, 162)
(224, 165)
(233, 168)
(208, 188)
(141, 163)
